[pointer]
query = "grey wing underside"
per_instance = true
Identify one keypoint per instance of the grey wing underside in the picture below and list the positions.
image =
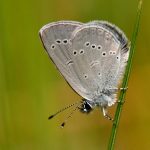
(92, 59)
(100, 56)
(56, 38)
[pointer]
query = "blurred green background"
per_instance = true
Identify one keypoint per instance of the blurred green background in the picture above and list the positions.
(31, 88)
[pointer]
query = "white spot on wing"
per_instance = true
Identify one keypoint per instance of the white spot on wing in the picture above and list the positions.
(93, 63)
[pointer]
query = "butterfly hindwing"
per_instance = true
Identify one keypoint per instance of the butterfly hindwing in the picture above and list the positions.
(97, 56)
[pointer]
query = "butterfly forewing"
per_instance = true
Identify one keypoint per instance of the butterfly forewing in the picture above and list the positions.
(56, 40)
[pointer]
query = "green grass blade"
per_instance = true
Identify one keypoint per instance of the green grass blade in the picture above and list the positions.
(125, 80)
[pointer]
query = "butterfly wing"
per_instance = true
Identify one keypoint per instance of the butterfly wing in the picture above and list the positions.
(88, 55)
(98, 57)
(56, 40)
(121, 54)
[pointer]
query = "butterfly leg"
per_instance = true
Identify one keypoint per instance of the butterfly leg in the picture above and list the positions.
(121, 102)
(104, 111)
(124, 89)
(121, 89)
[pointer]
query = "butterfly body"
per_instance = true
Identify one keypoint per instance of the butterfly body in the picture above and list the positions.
(91, 57)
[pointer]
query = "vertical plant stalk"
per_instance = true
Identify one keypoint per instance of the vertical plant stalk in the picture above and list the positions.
(125, 80)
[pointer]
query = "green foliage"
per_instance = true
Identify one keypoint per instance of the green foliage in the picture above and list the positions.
(31, 88)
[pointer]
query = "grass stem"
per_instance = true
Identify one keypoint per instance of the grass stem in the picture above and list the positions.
(125, 80)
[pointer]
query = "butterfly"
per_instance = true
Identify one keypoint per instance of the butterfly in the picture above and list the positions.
(91, 57)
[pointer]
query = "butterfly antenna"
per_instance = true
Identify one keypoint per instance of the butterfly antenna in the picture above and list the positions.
(70, 115)
(61, 110)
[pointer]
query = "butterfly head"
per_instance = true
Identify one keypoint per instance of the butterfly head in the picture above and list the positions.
(86, 106)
